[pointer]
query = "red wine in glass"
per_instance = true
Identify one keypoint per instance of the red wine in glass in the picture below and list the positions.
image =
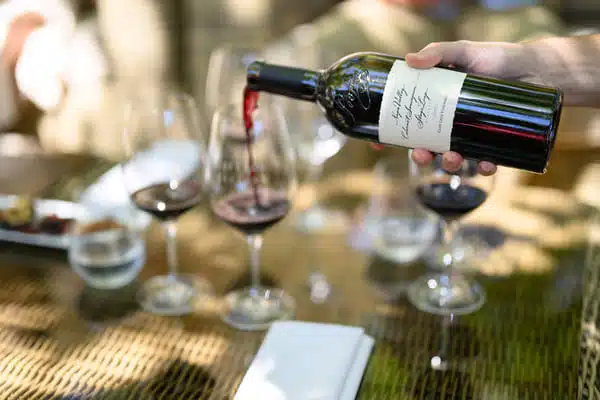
(449, 202)
(167, 201)
(241, 211)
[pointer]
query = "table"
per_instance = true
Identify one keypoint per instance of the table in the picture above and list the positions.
(61, 340)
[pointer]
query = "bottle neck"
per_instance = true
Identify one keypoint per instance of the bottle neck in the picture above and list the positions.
(291, 82)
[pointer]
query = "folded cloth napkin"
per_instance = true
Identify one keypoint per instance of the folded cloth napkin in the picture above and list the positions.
(164, 161)
(307, 361)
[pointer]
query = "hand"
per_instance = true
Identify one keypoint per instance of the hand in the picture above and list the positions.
(500, 60)
(19, 30)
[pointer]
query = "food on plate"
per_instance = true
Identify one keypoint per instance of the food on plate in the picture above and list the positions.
(19, 215)
(99, 226)
(22, 217)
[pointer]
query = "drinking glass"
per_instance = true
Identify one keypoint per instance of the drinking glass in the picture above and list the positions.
(401, 229)
(163, 176)
(252, 179)
(105, 253)
(451, 196)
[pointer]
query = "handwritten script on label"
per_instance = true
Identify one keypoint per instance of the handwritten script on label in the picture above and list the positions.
(409, 108)
(418, 107)
(355, 95)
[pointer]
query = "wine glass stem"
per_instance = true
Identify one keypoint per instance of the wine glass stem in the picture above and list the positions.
(314, 172)
(171, 239)
(255, 245)
(448, 229)
(443, 352)
(313, 177)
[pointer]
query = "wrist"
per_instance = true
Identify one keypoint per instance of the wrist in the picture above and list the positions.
(570, 64)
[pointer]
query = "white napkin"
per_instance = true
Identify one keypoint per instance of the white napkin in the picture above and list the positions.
(307, 361)
(164, 161)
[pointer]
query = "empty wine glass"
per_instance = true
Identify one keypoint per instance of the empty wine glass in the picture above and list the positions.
(451, 196)
(314, 138)
(163, 176)
(252, 179)
(402, 230)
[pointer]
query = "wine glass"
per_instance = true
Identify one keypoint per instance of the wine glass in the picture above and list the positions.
(252, 178)
(314, 138)
(226, 75)
(451, 196)
(163, 176)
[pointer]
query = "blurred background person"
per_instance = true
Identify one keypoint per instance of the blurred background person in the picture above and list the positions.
(32, 33)
(68, 64)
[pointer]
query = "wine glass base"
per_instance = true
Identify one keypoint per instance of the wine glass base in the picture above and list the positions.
(317, 219)
(256, 309)
(443, 295)
(171, 295)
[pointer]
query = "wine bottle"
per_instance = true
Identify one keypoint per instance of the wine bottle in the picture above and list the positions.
(379, 98)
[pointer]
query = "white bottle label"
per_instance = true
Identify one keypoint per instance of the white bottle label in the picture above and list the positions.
(418, 106)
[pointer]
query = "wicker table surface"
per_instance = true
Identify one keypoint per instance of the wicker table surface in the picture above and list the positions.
(62, 340)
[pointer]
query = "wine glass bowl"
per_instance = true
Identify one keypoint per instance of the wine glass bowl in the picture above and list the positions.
(226, 75)
(451, 195)
(252, 178)
(163, 175)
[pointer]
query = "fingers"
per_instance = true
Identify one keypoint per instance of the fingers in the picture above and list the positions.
(451, 162)
(422, 157)
(486, 168)
(377, 146)
(445, 53)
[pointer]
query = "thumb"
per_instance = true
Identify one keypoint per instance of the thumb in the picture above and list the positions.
(444, 53)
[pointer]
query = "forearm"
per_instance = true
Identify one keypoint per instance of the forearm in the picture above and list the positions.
(569, 63)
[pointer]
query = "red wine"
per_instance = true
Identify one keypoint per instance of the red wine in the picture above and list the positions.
(241, 211)
(165, 202)
(450, 203)
(377, 97)
(250, 104)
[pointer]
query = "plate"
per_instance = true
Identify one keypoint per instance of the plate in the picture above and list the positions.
(43, 208)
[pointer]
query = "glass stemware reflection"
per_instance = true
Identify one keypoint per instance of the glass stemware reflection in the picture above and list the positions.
(252, 178)
(163, 176)
(451, 196)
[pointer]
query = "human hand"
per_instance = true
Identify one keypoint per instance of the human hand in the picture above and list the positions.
(18, 30)
(500, 60)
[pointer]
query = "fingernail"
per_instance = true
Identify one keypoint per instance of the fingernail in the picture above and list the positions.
(451, 158)
(487, 167)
